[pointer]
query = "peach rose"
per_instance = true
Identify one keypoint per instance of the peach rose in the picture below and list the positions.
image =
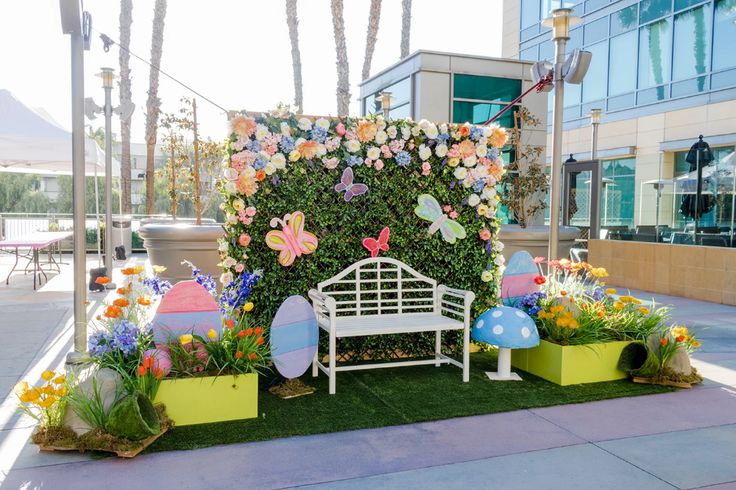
(308, 149)
(366, 131)
(243, 126)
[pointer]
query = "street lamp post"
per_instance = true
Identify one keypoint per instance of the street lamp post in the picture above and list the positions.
(107, 76)
(560, 23)
(595, 120)
(385, 98)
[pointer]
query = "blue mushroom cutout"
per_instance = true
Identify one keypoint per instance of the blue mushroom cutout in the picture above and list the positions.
(507, 328)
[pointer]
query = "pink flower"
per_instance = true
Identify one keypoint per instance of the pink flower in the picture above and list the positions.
(485, 234)
(453, 151)
(239, 268)
(384, 149)
(250, 211)
(397, 146)
(244, 240)
(332, 144)
(411, 144)
(331, 162)
(453, 215)
(379, 164)
(340, 129)
(368, 162)
(447, 208)
(426, 168)
(538, 260)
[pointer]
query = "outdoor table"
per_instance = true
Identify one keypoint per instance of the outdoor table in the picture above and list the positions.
(35, 242)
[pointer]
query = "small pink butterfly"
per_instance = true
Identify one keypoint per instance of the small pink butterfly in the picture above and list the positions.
(346, 184)
(291, 241)
(374, 246)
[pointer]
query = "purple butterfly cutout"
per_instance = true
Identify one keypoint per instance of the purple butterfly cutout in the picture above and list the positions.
(346, 184)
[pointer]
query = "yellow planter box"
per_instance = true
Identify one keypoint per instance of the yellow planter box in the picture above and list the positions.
(209, 399)
(571, 364)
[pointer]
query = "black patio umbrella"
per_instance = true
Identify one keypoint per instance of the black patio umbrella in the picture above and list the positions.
(695, 205)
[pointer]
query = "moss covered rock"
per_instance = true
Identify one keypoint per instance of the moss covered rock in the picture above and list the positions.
(134, 418)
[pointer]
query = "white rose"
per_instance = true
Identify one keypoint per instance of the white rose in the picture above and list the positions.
(487, 131)
(229, 262)
(380, 123)
(373, 153)
(279, 161)
(285, 129)
(261, 132)
(405, 133)
(230, 187)
(226, 278)
(305, 124)
(270, 168)
(424, 124)
(468, 182)
(321, 150)
(238, 205)
(222, 246)
(460, 173)
(481, 171)
(473, 200)
(490, 212)
(299, 141)
(352, 146)
(322, 123)
(443, 128)
(381, 137)
(470, 161)
(441, 150)
(483, 141)
(392, 132)
(231, 174)
(486, 276)
(499, 246)
(489, 193)
(499, 260)
(264, 156)
(415, 130)
(481, 150)
(431, 131)
(424, 152)
(231, 219)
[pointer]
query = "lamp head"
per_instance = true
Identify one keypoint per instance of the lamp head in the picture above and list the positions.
(107, 75)
(385, 98)
(560, 22)
(595, 116)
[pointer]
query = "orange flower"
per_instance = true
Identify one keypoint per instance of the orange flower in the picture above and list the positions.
(128, 271)
(252, 356)
(249, 332)
(148, 362)
(239, 355)
(142, 370)
(466, 148)
(563, 293)
(681, 338)
(121, 302)
(259, 341)
(102, 280)
(259, 330)
(122, 291)
(159, 373)
(241, 334)
(663, 341)
(308, 149)
(229, 323)
(464, 130)
(243, 126)
(260, 175)
(113, 311)
(143, 301)
(366, 131)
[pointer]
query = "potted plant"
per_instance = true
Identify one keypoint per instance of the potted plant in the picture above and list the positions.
(524, 194)
(189, 174)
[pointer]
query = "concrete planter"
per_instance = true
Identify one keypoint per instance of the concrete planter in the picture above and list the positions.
(535, 240)
(207, 399)
(169, 243)
(572, 364)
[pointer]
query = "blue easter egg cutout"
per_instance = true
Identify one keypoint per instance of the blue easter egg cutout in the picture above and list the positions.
(518, 278)
(294, 337)
(505, 327)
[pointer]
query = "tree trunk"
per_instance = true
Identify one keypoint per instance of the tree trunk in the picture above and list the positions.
(405, 27)
(371, 37)
(197, 187)
(153, 105)
(343, 70)
(126, 19)
(296, 59)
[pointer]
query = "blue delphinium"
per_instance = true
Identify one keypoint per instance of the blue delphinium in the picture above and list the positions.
(158, 286)
(205, 280)
(403, 159)
(476, 133)
(530, 303)
(253, 145)
(287, 144)
(234, 294)
(319, 134)
(355, 160)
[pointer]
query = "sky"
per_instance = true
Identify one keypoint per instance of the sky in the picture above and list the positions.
(236, 53)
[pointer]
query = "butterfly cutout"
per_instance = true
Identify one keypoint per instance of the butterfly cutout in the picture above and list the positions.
(431, 210)
(375, 246)
(346, 184)
(291, 241)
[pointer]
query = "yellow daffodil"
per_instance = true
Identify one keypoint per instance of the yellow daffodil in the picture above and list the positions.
(626, 299)
(47, 402)
(59, 380)
(618, 305)
(610, 291)
(21, 387)
(556, 309)
(212, 334)
(48, 375)
(681, 330)
(248, 307)
(158, 269)
(644, 311)
(60, 391)
(599, 272)
(636, 301)
(695, 344)
(186, 339)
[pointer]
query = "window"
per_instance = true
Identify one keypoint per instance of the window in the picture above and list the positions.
(655, 55)
(529, 13)
(617, 192)
(485, 88)
(401, 96)
(622, 72)
(596, 30)
(724, 34)
(653, 9)
(591, 5)
(594, 84)
(530, 54)
(480, 112)
(624, 20)
(691, 44)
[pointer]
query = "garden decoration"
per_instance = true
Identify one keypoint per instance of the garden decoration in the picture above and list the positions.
(507, 328)
(430, 210)
(347, 186)
(187, 308)
(374, 246)
(520, 278)
(133, 418)
(280, 162)
(294, 337)
(292, 241)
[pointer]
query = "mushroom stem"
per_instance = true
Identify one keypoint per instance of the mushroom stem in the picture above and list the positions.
(504, 362)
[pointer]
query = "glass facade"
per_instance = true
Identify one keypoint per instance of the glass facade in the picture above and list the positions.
(617, 193)
(400, 105)
(476, 99)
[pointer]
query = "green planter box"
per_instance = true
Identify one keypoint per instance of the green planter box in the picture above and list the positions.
(209, 399)
(571, 364)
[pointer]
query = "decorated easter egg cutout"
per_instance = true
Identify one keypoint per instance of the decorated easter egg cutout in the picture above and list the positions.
(185, 309)
(294, 337)
(505, 327)
(518, 278)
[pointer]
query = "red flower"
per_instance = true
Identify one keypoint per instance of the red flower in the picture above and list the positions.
(259, 330)
(239, 355)
(229, 323)
(159, 373)
(539, 280)
(663, 341)
(249, 332)
(147, 362)
(252, 356)
(259, 341)
(681, 338)
(142, 370)
(241, 334)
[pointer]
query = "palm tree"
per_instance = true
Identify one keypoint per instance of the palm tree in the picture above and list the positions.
(343, 71)
(126, 19)
(153, 105)
(296, 59)
(371, 37)
(405, 27)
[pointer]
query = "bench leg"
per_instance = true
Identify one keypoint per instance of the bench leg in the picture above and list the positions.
(333, 363)
(437, 347)
(315, 369)
(466, 354)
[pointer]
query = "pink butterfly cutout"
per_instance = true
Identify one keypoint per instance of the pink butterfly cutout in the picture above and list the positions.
(291, 241)
(374, 246)
(346, 184)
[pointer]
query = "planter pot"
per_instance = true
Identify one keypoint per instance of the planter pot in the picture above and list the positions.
(170, 243)
(572, 364)
(208, 399)
(535, 240)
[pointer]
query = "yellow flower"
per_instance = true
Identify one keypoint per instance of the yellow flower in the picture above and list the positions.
(636, 301)
(138, 269)
(556, 309)
(21, 387)
(212, 334)
(599, 272)
(453, 162)
(33, 394)
(47, 402)
(618, 305)
(294, 156)
(47, 375)
(644, 311)
(158, 269)
(186, 339)
(61, 391)
(59, 380)
(248, 307)
(681, 330)
(48, 389)
(695, 344)
(626, 299)
(482, 209)
(610, 291)
(563, 321)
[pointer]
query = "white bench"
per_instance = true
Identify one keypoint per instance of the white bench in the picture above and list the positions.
(380, 296)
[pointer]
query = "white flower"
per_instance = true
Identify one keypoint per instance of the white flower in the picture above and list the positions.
(264, 156)
(468, 182)
(294, 155)
(423, 123)
(424, 152)
(229, 262)
(441, 150)
(460, 173)
(261, 132)
(249, 172)
(431, 131)
(483, 141)
(443, 128)
(487, 131)
(486, 276)
(321, 150)
(269, 168)
(499, 260)
(473, 200)
(481, 150)
(238, 205)
(231, 219)
(322, 123)
(222, 246)
(279, 161)
(373, 153)
(499, 246)
(304, 124)
(392, 132)
(415, 130)
(285, 129)
(380, 123)
(352, 145)
(230, 187)
(489, 193)
(299, 141)
(490, 212)
(405, 133)
(226, 278)
(481, 171)
(381, 137)
(231, 173)
(470, 161)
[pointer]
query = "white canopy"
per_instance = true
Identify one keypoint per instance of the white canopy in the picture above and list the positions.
(32, 143)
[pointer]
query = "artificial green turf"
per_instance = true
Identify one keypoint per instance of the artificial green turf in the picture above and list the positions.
(382, 397)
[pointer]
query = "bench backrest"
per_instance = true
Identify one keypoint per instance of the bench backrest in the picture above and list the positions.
(380, 286)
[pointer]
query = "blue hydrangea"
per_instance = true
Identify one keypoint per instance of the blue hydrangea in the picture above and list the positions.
(443, 137)
(234, 294)
(259, 163)
(530, 303)
(355, 160)
(403, 159)
(598, 294)
(492, 153)
(287, 144)
(476, 133)
(253, 145)
(98, 344)
(479, 185)
(124, 337)
(158, 286)
(319, 134)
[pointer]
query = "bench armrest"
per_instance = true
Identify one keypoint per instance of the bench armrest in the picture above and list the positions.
(324, 306)
(455, 301)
